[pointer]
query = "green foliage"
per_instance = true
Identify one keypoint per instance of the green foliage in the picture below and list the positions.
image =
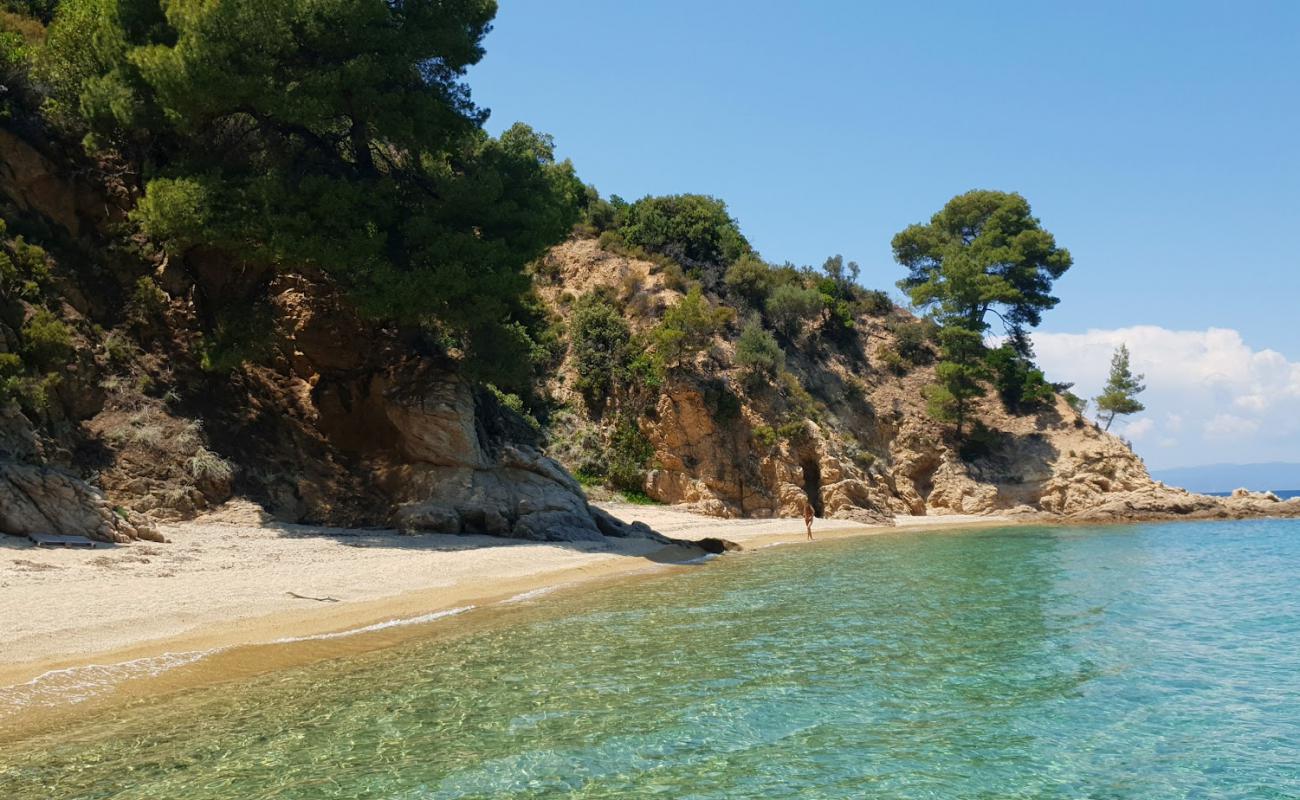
(24, 269)
(147, 301)
(119, 348)
(981, 251)
(790, 307)
(11, 372)
(840, 293)
(1019, 383)
(758, 355)
(693, 229)
(638, 498)
(598, 214)
(1079, 404)
(765, 436)
(1119, 396)
(516, 404)
(801, 402)
(599, 347)
(688, 328)
(959, 376)
(242, 336)
(39, 10)
(750, 280)
(46, 339)
(793, 431)
(629, 454)
(842, 278)
(266, 133)
(912, 340)
(876, 303)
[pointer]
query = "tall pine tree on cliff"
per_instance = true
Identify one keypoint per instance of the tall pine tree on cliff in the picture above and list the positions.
(1119, 397)
(984, 252)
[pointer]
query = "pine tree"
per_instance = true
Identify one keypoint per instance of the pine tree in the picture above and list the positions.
(1120, 395)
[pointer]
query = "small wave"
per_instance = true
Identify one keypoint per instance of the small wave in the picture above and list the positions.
(531, 594)
(79, 684)
(704, 559)
(378, 626)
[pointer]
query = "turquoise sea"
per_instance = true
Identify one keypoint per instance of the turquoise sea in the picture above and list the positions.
(1145, 662)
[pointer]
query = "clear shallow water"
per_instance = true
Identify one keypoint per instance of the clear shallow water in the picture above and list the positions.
(1155, 661)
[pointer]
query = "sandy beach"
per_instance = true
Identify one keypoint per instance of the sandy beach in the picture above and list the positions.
(234, 578)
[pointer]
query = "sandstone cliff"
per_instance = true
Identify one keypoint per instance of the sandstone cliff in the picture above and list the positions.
(860, 444)
(110, 419)
(114, 417)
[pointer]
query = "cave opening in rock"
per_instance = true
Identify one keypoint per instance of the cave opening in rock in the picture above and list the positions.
(812, 485)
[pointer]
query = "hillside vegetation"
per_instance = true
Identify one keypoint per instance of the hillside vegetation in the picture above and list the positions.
(268, 250)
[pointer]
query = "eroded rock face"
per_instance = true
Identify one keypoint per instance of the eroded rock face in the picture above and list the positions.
(36, 499)
(874, 451)
(471, 467)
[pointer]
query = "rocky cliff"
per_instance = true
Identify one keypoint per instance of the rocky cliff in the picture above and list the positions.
(111, 417)
(848, 430)
(114, 415)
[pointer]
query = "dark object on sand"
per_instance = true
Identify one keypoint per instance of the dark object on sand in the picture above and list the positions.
(52, 540)
(715, 545)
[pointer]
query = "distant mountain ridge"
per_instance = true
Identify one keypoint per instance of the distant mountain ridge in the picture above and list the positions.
(1275, 475)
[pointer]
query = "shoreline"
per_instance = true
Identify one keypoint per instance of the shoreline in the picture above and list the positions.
(191, 612)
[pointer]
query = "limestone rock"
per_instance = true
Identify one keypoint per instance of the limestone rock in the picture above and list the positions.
(36, 499)
(467, 467)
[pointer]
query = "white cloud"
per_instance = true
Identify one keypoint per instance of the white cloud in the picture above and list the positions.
(1240, 403)
(1225, 426)
(1138, 428)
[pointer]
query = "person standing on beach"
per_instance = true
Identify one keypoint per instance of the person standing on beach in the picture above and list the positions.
(808, 518)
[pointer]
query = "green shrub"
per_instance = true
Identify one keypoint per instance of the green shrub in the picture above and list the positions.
(838, 325)
(598, 346)
(1079, 404)
(47, 340)
(757, 353)
(687, 328)
(865, 459)
(801, 402)
(750, 280)
(793, 431)
(24, 270)
(119, 348)
(876, 303)
(891, 360)
(516, 404)
(598, 214)
(765, 435)
(241, 336)
(693, 229)
(790, 307)
(638, 498)
(1021, 385)
(147, 302)
(629, 453)
(912, 340)
(11, 371)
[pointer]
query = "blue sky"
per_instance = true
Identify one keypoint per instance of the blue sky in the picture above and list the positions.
(1158, 141)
